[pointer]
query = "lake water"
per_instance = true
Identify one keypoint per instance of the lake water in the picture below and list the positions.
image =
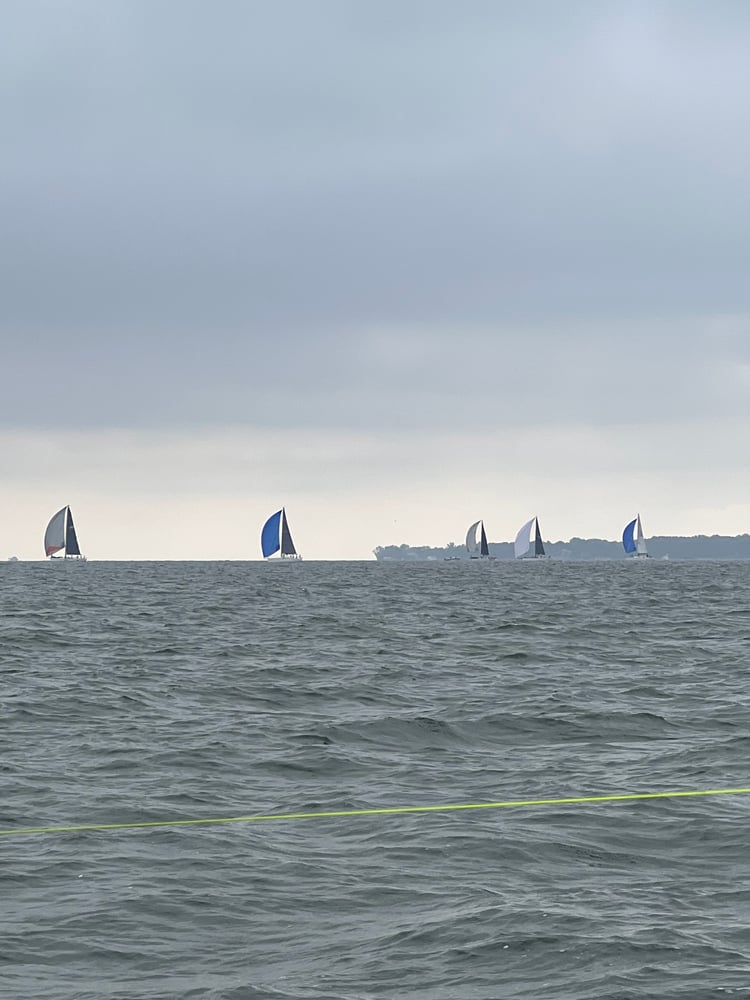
(156, 691)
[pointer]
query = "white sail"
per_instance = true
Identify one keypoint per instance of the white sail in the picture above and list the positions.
(54, 536)
(640, 541)
(523, 539)
(471, 539)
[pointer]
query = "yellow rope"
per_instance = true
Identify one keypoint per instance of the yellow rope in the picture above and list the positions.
(385, 811)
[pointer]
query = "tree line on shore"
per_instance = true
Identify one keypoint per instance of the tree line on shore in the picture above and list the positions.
(659, 547)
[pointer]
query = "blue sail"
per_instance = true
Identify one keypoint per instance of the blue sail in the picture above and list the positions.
(269, 536)
(627, 536)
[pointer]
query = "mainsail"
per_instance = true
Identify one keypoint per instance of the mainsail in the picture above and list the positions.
(287, 545)
(484, 549)
(538, 547)
(640, 541)
(71, 539)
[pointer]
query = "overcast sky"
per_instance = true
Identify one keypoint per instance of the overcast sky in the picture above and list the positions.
(396, 265)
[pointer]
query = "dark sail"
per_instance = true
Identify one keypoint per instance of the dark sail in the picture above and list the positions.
(538, 547)
(287, 545)
(483, 547)
(71, 542)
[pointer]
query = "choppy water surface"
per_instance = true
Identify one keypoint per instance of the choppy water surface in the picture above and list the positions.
(145, 691)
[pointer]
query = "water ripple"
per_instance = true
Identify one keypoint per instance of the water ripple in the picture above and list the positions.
(136, 692)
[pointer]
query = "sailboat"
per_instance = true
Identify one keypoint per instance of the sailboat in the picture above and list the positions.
(60, 536)
(276, 537)
(477, 550)
(634, 546)
(523, 540)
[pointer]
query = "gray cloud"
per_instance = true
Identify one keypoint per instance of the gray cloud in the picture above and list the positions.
(374, 214)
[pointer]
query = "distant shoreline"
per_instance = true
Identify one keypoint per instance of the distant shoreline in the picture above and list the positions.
(729, 547)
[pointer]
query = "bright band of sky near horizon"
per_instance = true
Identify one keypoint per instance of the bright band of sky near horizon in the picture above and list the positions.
(393, 266)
